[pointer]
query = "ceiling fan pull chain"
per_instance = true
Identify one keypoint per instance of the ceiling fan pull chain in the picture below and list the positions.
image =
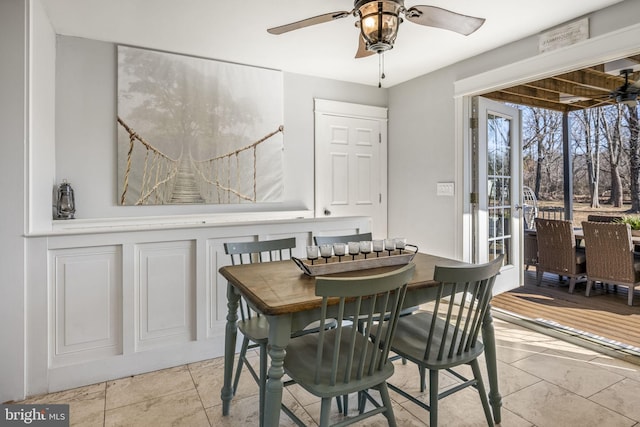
(380, 68)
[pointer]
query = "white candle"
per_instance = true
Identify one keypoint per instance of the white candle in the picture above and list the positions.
(312, 252)
(389, 245)
(325, 250)
(354, 249)
(339, 249)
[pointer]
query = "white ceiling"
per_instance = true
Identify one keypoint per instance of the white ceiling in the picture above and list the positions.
(235, 30)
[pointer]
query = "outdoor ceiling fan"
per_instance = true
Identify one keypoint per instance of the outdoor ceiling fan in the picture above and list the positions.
(378, 21)
(628, 92)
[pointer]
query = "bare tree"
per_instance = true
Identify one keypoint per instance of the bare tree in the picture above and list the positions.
(590, 139)
(634, 156)
(542, 136)
(611, 122)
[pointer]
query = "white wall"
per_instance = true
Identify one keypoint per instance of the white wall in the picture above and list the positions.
(427, 130)
(42, 92)
(86, 151)
(13, 36)
(421, 154)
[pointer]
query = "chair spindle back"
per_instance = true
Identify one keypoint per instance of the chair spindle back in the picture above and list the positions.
(262, 251)
(368, 298)
(454, 328)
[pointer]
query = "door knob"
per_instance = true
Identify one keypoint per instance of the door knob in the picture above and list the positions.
(327, 212)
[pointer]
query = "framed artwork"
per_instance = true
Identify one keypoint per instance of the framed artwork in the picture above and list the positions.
(193, 130)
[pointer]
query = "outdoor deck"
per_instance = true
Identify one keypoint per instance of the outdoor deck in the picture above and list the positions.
(603, 316)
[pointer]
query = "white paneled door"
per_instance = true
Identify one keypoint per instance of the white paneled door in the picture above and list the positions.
(499, 189)
(351, 162)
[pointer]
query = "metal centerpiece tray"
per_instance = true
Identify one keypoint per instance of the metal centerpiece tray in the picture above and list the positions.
(324, 266)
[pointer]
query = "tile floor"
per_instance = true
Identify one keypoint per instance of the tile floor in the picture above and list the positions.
(543, 381)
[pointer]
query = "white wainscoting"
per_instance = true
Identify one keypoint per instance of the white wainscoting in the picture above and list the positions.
(109, 302)
(86, 304)
(165, 294)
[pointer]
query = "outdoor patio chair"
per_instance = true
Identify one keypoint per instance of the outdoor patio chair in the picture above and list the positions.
(610, 256)
(557, 251)
(529, 208)
(344, 360)
(449, 336)
(530, 248)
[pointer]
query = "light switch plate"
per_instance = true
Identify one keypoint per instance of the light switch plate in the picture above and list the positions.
(445, 189)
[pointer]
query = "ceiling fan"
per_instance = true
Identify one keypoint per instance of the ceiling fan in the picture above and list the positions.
(378, 21)
(628, 92)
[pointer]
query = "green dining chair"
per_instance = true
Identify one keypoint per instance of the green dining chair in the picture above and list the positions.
(449, 336)
(344, 360)
(255, 328)
(322, 240)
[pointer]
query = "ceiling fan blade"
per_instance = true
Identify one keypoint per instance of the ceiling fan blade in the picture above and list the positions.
(362, 48)
(607, 101)
(320, 19)
(433, 16)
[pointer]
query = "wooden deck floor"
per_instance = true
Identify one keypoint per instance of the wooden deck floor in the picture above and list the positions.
(603, 316)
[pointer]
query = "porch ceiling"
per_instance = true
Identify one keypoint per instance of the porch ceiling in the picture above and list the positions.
(575, 90)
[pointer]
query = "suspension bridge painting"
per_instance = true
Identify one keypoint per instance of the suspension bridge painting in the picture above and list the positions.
(193, 130)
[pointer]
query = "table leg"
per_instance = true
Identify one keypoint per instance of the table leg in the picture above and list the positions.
(489, 340)
(230, 334)
(279, 334)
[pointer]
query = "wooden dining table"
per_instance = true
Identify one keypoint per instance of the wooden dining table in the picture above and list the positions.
(286, 296)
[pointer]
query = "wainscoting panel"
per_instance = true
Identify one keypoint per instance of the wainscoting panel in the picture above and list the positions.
(165, 292)
(121, 300)
(86, 310)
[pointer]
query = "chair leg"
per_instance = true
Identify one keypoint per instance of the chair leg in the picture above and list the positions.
(325, 411)
(433, 398)
(588, 290)
(263, 379)
(572, 284)
(630, 295)
(538, 277)
(423, 379)
(386, 401)
(483, 394)
(243, 353)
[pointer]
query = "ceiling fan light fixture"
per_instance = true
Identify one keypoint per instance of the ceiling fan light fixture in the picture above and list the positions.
(379, 22)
